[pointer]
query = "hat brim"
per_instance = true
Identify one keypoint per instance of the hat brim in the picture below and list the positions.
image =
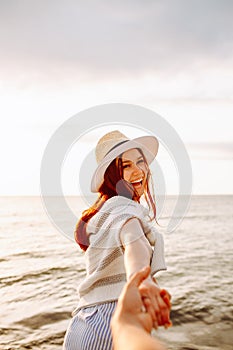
(148, 144)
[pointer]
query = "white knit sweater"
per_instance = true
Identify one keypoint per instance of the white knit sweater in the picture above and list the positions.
(105, 268)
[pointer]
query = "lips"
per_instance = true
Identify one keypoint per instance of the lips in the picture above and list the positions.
(137, 182)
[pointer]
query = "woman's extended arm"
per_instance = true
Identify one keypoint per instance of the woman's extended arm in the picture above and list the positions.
(137, 248)
(137, 255)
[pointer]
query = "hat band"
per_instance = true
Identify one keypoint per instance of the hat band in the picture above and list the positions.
(119, 144)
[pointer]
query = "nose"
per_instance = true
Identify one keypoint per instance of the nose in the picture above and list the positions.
(136, 169)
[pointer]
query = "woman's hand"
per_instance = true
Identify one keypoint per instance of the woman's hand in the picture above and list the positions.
(156, 302)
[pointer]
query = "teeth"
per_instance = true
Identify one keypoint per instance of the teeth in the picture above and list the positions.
(133, 182)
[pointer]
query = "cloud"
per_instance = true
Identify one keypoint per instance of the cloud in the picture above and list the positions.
(211, 151)
(107, 37)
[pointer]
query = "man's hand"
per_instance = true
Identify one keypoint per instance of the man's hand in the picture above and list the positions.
(131, 324)
(130, 305)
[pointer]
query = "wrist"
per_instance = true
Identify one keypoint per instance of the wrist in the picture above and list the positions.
(120, 321)
(151, 280)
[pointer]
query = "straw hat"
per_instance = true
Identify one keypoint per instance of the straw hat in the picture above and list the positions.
(115, 143)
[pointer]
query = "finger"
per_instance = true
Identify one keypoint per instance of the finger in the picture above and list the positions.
(168, 324)
(158, 311)
(138, 277)
(155, 325)
(149, 307)
(166, 296)
(152, 308)
(156, 308)
(151, 311)
(146, 301)
(150, 299)
(167, 301)
(159, 317)
(164, 311)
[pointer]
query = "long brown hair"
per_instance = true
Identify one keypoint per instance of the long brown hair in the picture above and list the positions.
(113, 185)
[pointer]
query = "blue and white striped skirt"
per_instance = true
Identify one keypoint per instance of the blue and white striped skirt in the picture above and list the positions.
(89, 329)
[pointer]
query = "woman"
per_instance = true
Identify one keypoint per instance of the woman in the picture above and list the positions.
(118, 236)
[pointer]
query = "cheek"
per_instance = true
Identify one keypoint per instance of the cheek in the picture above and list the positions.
(126, 175)
(144, 169)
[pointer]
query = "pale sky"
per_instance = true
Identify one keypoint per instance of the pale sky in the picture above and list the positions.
(61, 57)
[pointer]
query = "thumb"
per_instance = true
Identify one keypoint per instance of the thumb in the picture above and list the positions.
(139, 276)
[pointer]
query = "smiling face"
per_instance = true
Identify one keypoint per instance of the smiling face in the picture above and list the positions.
(135, 169)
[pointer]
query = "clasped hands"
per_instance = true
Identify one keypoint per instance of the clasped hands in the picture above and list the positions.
(156, 302)
(143, 304)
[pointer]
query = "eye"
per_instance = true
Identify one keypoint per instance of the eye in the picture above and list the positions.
(141, 161)
(125, 166)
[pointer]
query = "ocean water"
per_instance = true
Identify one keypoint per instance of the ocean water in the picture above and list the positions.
(40, 270)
